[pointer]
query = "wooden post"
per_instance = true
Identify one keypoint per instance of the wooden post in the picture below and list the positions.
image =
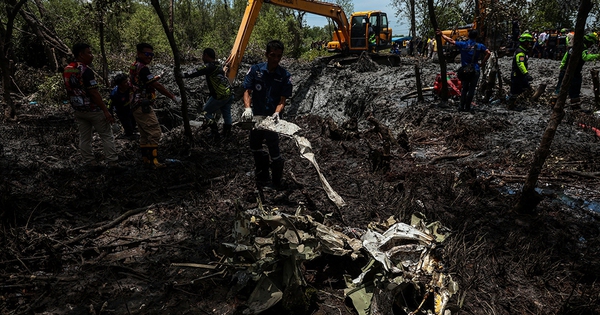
(596, 82)
(419, 84)
(539, 92)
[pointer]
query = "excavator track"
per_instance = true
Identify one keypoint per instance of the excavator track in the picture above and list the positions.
(390, 60)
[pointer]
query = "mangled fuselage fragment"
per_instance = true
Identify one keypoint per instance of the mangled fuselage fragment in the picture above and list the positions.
(270, 248)
(403, 259)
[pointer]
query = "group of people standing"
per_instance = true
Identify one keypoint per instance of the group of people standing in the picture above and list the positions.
(267, 86)
(520, 77)
(551, 44)
(132, 97)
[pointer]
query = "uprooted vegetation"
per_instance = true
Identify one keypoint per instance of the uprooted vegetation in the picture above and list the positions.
(98, 242)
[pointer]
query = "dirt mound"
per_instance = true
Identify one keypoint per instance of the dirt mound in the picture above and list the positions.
(80, 241)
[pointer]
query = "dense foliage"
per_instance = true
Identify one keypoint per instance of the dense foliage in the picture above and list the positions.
(532, 15)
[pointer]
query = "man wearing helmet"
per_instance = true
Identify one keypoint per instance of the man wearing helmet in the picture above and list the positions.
(520, 77)
(589, 40)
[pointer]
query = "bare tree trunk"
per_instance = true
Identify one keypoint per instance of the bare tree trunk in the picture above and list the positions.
(419, 84)
(177, 59)
(529, 198)
(6, 31)
(413, 23)
(596, 82)
(171, 27)
(434, 23)
(103, 48)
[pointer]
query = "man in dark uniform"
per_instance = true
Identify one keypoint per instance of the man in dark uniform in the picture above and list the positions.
(267, 85)
(551, 44)
(516, 31)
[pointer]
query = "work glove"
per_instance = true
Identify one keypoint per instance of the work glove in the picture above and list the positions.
(528, 77)
(247, 114)
(177, 100)
(275, 117)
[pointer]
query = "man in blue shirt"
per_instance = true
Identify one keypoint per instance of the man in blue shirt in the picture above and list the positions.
(119, 100)
(267, 85)
(470, 52)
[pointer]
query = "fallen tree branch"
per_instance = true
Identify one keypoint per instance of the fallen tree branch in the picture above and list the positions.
(193, 265)
(448, 157)
(109, 225)
(592, 175)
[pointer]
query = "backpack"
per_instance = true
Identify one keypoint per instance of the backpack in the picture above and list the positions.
(73, 78)
(221, 84)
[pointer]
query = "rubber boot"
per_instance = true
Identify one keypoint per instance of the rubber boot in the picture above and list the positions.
(226, 130)
(146, 160)
(512, 104)
(261, 164)
(277, 172)
(575, 103)
(150, 157)
(214, 131)
(553, 100)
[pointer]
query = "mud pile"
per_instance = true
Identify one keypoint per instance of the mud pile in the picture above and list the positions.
(133, 241)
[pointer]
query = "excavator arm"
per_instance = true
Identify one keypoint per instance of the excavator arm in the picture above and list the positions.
(330, 10)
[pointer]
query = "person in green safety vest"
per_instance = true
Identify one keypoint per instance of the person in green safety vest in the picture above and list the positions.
(575, 88)
(520, 78)
(372, 39)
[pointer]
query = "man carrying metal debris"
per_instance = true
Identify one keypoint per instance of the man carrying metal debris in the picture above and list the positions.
(221, 96)
(520, 78)
(267, 85)
(589, 40)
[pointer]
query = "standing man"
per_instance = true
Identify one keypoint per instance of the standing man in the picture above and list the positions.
(470, 51)
(542, 43)
(267, 85)
(520, 77)
(516, 31)
(145, 85)
(575, 88)
(221, 96)
(90, 110)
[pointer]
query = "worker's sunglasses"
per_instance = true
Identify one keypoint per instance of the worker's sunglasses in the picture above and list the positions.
(148, 54)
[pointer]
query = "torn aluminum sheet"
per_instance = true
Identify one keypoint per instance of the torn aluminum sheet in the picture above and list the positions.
(402, 258)
(289, 129)
(273, 245)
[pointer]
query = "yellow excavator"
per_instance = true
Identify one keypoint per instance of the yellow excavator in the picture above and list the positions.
(462, 32)
(365, 31)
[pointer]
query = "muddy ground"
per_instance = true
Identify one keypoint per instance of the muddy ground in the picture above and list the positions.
(61, 254)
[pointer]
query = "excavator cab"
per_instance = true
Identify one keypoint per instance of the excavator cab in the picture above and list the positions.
(369, 31)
